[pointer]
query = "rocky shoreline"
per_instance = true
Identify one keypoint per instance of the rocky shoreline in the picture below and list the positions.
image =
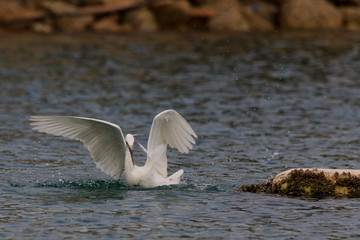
(49, 16)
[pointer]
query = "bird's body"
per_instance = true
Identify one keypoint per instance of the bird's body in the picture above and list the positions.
(112, 153)
(147, 175)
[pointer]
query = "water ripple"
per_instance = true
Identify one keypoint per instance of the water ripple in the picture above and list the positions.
(259, 103)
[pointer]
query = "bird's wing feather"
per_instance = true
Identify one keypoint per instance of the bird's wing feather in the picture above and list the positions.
(169, 127)
(104, 140)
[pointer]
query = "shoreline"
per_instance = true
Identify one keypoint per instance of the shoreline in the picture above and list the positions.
(120, 16)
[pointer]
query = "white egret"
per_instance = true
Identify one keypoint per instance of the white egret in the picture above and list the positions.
(112, 153)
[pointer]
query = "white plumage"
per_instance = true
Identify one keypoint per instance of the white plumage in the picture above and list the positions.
(112, 153)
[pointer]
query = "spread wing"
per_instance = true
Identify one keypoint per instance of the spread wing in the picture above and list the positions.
(104, 140)
(168, 127)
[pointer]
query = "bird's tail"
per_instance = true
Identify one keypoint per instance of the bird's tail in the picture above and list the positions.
(176, 177)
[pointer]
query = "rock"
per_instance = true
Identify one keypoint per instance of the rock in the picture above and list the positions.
(57, 7)
(256, 22)
(107, 24)
(74, 24)
(100, 2)
(311, 182)
(330, 174)
(260, 15)
(172, 14)
(228, 17)
(200, 12)
(15, 12)
(265, 9)
(67, 23)
(309, 14)
(141, 19)
(199, 17)
(42, 27)
(125, 27)
(351, 16)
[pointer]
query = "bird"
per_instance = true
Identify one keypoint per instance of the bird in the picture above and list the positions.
(113, 154)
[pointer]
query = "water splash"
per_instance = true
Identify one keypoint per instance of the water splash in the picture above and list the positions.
(119, 185)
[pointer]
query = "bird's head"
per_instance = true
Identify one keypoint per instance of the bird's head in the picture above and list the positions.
(130, 140)
(130, 143)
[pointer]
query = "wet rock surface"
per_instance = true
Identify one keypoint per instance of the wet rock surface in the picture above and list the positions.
(309, 14)
(310, 183)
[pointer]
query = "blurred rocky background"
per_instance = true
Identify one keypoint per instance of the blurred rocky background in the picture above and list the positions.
(48, 16)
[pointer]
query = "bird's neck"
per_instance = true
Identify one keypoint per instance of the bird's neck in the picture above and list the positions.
(132, 174)
(129, 162)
